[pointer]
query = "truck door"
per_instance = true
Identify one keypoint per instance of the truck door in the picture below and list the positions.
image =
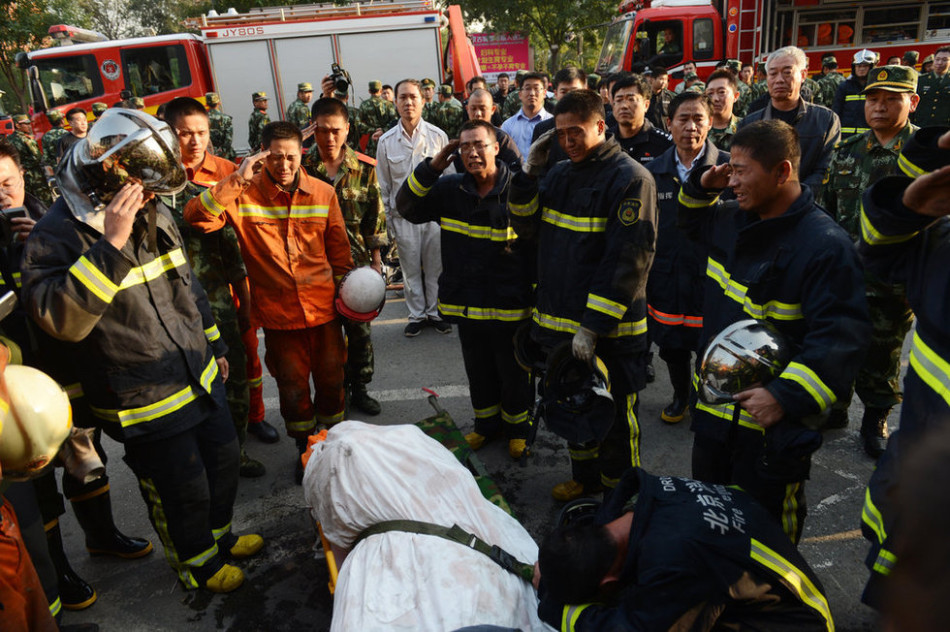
(149, 70)
(660, 43)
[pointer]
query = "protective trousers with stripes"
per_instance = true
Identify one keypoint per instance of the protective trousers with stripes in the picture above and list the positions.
(500, 390)
(255, 376)
(189, 484)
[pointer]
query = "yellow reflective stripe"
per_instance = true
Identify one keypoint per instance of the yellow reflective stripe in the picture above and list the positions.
(208, 375)
(909, 168)
(514, 418)
(809, 380)
(930, 367)
(94, 280)
(790, 511)
(874, 237)
(691, 202)
(854, 130)
(885, 562)
(556, 323)
(583, 454)
(633, 426)
(154, 269)
(255, 381)
(485, 413)
(282, 212)
(218, 533)
(74, 391)
(55, 607)
(574, 223)
(329, 420)
(416, 187)
(301, 426)
(855, 97)
(871, 516)
(474, 230)
(160, 522)
(794, 578)
(570, 616)
(212, 333)
(606, 306)
(524, 210)
(18, 279)
(202, 558)
(484, 313)
(211, 205)
(777, 310)
(727, 412)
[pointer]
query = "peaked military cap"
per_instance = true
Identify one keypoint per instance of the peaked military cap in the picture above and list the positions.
(892, 78)
(259, 96)
(304, 86)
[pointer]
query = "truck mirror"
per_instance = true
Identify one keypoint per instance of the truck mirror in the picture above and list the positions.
(36, 90)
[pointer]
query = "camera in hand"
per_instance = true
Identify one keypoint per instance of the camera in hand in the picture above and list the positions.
(6, 225)
(340, 77)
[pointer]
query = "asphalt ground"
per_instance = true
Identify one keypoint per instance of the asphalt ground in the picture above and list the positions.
(286, 587)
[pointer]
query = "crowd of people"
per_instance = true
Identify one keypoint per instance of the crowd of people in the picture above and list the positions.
(593, 218)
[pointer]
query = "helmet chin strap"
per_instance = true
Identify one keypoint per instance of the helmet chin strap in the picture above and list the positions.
(152, 211)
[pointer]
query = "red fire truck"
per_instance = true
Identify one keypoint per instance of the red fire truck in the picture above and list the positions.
(671, 33)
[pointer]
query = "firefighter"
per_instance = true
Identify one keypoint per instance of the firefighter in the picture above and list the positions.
(258, 120)
(595, 220)
(294, 244)
(637, 136)
(774, 255)
(665, 553)
(849, 99)
(905, 238)
(485, 286)
(114, 283)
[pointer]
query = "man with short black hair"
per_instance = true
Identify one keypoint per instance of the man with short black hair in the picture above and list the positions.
(521, 125)
(500, 91)
(934, 91)
(481, 107)
(78, 128)
(594, 253)
(257, 121)
(829, 81)
(565, 80)
(723, 92)
(638, 137)
(774, 255)
(660, 97)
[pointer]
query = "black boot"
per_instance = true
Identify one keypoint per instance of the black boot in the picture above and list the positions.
(74, 592)
(680, 378)
(361, 400)
(874, 431)
(102, 536)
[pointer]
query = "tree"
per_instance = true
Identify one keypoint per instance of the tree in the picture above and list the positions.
(548, 21)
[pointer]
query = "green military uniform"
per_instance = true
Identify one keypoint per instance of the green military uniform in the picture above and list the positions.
(31, 160)
(827, 87)
(934, 106)
(511, 105)
(722, 137)
(860, 161)
(758, 89)
(430, 112)
(812, 88)
(299, 112)
(353, 138)
(362, 208)
(739, 107)
(375, 113)
(449, 115)
(256, 124)
(221, 127)
(51, 138)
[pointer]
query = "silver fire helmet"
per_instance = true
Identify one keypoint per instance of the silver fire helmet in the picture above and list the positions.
(745, 354)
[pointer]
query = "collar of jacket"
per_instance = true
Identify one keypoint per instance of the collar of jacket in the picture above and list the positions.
(643, 136)
(802, 110)
(501, 181)
(270, 188)
(754, 230)
(896, 144)
(34, 208)
(665, 163)
(606, 150)
(350, 162)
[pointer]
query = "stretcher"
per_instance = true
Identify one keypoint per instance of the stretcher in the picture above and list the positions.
(442, 428)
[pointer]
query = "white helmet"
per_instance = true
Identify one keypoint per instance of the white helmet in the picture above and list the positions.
(747, 353)
(34, 425)
(866, 56)
(362, 294)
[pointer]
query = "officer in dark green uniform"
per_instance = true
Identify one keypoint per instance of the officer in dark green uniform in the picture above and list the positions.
(375, 115)
(299, 111)
(30, 158)
(860, 161)
(257, 122)
(222, 127)
(934, 91)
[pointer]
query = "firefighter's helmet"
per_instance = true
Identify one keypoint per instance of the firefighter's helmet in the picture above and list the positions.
(866, 56)
(745, 354)
(362, 294)
(577, 403)
(36, 419)
(529, 355)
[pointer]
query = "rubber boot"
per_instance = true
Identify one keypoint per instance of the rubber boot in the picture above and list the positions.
(874, 431)
(74, 592)
(361, 400)
(680, 378)
(94, 513)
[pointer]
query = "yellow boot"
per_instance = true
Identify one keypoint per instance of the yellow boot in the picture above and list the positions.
(246, 546)
(516, 447)
(475, 440)
(227, 578)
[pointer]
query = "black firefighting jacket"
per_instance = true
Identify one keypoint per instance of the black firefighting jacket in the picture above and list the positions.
(799, 271)
(487, 270)
(700, 557)
(849, 106)
(139, 321)
(595, 222)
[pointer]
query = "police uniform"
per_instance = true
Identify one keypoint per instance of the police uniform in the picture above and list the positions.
(859, 162)
(51, 138)
(721, 137)
(934, 106)
(256, 123)
(904, 247)
(595, 221)
(30, 161)
(800, 272)
(298, 112)
(646, 145)
(221, 128)
(849, 105)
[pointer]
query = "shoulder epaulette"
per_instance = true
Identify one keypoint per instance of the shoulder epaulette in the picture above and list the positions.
(364, 158)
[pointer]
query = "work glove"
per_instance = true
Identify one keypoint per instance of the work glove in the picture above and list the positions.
(537, 163)
(583, 344)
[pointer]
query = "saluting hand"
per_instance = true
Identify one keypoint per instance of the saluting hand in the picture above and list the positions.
(444, 158)
(538, 154)
(247, 165)
(717, 177)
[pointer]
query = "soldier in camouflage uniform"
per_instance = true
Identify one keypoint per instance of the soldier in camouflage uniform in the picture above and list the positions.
(31, 160)
(828, 81)
(51, 139)
(299, 112)
(513, 102)
(860, 161)
(810, 89)
(723, 91)
(431, 107)
(376, 114)
(216, 261)
(257, 122)
(353, 176)
(97, 109)
(222, 128)
(450, 115)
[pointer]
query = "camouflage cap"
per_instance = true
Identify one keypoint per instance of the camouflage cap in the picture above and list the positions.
(699, 87)
(20, 118)
(829, 60)
(912, 56)
(426, 83)
(137, 102)
(375, 85)
(212, 98)
(734, 65)
(521, 73)
(304, 86)
(259, 96)
(892, 79)
(54, 116)
(445, 90)
(929, 59)
(690, 75)
(99, 107)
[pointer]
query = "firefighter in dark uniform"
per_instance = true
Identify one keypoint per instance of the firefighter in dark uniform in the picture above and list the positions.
(106, 281)
(487, 272)
(675, 287)
(849, 99)
(774, 255)
(666, 553)
(636, 134)
(595, 220)
(905, 238)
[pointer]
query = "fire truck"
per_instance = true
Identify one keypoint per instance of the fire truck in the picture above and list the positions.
(671, 33)
(269, 49)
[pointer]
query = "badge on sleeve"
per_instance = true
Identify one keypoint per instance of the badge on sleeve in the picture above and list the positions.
(629, 211)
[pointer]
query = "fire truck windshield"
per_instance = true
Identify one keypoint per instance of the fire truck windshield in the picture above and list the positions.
(69, 79)
(615, 43)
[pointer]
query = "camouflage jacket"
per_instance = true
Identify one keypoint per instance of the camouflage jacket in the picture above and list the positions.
(430, 111)
(26, 145)
(255, 128)
(810, 89)
(222, 134)
(356, 127)
(375, 113)
(511, 105)
(739, 107)
(827, 87)
(722, 138)
(299, 114)
(360, 201)
(449, 117)
(48, 142)
(859, 161)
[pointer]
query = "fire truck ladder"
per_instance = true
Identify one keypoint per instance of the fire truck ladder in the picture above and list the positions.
(749, 22)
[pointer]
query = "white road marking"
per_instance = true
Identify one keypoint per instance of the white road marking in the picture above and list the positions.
(400, 394)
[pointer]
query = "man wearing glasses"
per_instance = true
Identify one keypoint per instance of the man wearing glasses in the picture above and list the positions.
(521, 125)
